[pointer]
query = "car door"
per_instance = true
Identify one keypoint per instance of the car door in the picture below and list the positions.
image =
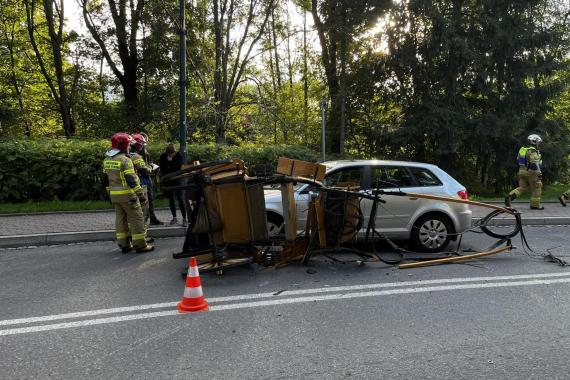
(393, 216)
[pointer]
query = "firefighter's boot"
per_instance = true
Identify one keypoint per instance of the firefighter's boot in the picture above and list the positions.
(127, 249)
(147, 248)
(562, 200)
(509, 198)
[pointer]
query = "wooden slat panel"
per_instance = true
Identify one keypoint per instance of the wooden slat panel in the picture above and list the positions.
(257, 212)
(289, 210)
(298, 168)
(320, 214)
(234, 212)
(212, 203)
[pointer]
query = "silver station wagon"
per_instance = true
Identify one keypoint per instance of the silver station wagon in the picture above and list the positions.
(427, 224)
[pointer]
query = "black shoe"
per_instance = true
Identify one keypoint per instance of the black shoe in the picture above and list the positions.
(155, 222)
(127, 249)
(508, 200)
(537, 207)
(562, 200)
(147, 248)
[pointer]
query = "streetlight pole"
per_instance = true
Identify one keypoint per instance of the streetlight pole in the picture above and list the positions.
(182, 80)
(323, 136)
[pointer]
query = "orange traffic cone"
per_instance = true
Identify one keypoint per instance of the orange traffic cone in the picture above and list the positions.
(193, 299)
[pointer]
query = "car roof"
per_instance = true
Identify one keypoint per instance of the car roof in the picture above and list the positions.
(348, 163)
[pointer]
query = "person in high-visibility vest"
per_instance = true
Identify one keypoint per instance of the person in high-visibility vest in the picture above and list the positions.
(146, 179)
(530, 174)
(141, 168)
(126, 195)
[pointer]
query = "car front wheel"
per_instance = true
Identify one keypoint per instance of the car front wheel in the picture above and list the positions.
(432, 233)
(274, 225)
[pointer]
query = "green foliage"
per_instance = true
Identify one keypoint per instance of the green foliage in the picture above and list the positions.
(51, 169)
(461, 85)
(70, 170)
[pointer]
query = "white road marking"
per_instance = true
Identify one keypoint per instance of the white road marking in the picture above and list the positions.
(81, 314)
(285, 293)
(89, 322)
(284, 301)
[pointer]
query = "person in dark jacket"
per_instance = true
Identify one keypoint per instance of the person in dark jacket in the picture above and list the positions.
(171, 161)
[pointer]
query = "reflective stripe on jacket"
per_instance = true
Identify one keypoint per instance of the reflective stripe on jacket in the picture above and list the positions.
(141, 168)
(123, 182)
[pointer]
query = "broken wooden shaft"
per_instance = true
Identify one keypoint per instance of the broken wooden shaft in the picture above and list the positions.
(455, 258)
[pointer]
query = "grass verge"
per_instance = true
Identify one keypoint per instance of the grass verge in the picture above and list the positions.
(550, 193)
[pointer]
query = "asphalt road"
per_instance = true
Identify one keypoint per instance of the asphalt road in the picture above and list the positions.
(504, 316)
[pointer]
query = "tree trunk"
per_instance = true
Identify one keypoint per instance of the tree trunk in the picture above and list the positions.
(130, 91)
(329, 46)
(342, 91)
(228, 75)
(221, 119)
(305, 77)
(101, 85)
(274, 37)
(60, 94)
(15, 84)
(126, 25)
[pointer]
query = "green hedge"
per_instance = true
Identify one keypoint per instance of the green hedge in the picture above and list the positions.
(59, 169)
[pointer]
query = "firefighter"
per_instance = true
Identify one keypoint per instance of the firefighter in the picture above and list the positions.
(146, 179)
(126, 195)
(141, 168)
(530, 173)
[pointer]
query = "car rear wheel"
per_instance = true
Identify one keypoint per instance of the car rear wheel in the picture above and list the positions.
(432, 233)
(274, 225)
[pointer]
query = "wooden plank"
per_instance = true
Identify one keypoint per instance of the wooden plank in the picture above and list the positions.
(351, 218)
(236, 167)
(234, 213)
(298, 168)
(320, 213)
(212, 203)
(311, 223)
(257, 212)
(457, 200)
(289, 211)
(455, 258)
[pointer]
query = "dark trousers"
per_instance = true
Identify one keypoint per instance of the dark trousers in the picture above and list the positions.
(178, 194)
(150, 196)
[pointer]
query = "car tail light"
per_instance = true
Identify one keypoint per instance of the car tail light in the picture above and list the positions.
(463, 194)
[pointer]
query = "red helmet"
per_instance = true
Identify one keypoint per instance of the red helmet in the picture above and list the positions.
(121, 141)
(138, 141)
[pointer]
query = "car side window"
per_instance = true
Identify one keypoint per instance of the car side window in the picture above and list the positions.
(425, 177)
(386, 177)
(348, 177)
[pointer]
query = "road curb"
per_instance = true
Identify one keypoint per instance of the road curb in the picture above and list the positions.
(79, 237)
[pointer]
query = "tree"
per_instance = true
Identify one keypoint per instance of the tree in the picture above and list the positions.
(60, 81)
(232, 54)
(120, 41)
(14, 60)
(472, 80)
(337, 23)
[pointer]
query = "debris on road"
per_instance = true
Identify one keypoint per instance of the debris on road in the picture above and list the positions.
(228, 222)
